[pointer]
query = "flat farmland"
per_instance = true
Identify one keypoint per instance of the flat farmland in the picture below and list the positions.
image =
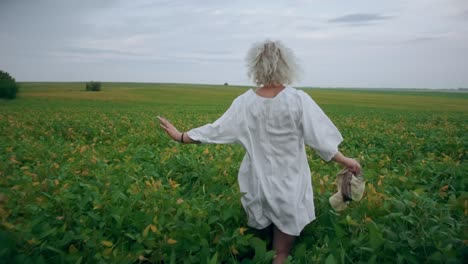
(89, 177)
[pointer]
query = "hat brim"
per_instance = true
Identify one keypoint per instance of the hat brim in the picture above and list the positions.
(337, 203)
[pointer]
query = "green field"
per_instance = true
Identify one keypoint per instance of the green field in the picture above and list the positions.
(89, 177)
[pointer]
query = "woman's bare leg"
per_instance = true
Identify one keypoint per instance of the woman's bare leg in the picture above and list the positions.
(282, 244)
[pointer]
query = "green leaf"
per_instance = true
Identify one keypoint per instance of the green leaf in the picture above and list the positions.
(214, 259)
(330, 259)
(375, 236)
(260, 248)
(300, 251)
(173, 256)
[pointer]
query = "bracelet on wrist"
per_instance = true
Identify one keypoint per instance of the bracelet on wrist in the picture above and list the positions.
(182, 137)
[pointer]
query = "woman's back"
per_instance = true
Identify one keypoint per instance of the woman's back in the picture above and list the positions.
(274, 174)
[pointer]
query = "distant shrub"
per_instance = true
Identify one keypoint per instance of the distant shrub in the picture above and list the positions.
(8, 86)
(226, 84)
(93, 86)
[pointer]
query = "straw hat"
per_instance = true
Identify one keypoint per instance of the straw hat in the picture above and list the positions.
(350, 188)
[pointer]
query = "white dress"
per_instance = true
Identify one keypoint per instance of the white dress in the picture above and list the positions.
(274, 175)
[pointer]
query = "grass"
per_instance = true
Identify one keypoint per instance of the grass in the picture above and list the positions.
(213, 94)
(90, 177)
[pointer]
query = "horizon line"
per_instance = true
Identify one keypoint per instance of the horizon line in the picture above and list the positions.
(243, 85)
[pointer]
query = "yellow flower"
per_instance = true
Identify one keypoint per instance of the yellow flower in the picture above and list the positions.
(242, 230)
(106, 243)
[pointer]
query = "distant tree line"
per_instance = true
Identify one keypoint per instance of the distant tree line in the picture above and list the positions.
(93, 86)
(8, 86)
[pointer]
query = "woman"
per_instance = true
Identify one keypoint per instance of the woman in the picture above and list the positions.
(273, 123)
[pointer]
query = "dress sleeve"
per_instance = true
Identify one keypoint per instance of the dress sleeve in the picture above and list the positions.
(319, 131)
(225, 130)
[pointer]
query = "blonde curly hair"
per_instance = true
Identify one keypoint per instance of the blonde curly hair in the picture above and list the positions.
(270, 62)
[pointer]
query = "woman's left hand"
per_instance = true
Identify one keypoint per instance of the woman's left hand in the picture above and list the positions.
(353, 165)
(169, 128)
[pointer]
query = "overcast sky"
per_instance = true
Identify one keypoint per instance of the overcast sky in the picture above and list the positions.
(398, 43)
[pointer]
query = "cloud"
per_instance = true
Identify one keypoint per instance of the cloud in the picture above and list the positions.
(94, 51)
(464, 15)
(206, 41)
(359, 18)
(102, 54)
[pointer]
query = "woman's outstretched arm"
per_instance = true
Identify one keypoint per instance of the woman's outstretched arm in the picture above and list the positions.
(173, 132)
(349, 163)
